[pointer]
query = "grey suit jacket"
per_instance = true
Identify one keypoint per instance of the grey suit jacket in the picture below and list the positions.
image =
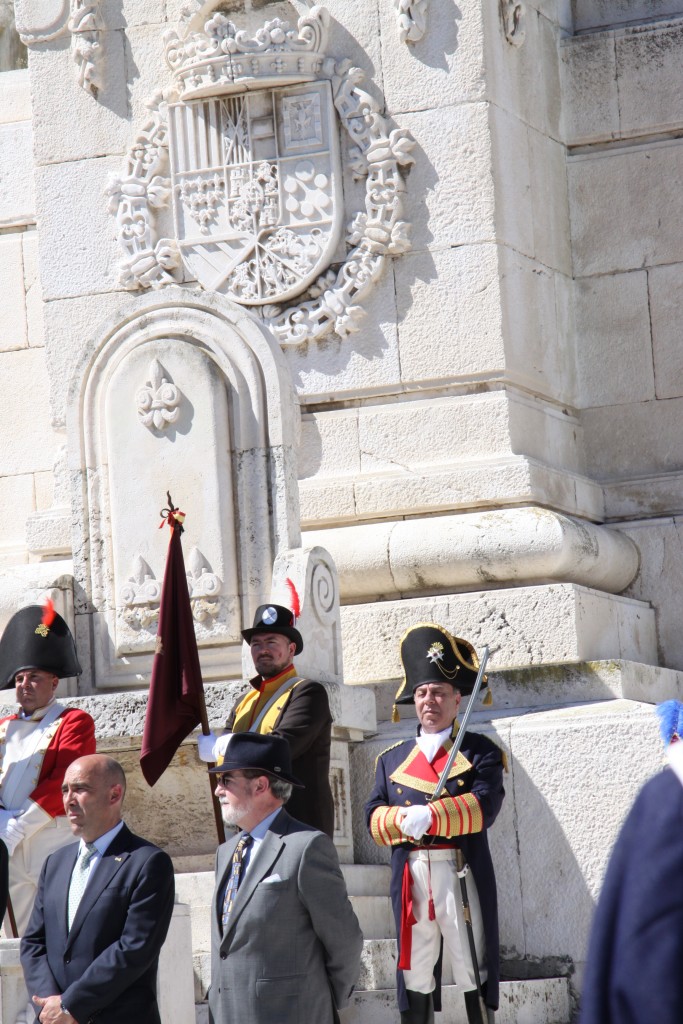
(291, 952)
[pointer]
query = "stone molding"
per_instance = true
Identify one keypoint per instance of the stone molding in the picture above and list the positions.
(251, 459)
(40, 21)
(333, 301)
(411, 17)
(478, 550)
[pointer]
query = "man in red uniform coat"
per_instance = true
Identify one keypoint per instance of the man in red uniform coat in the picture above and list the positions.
(282, 703)
(37, 745)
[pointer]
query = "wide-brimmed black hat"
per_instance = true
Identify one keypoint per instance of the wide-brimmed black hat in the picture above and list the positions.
(275, 618)
(37, 637)
(430, 654)
(264, 753)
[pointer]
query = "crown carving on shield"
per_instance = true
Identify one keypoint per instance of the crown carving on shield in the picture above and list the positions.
(223, 59)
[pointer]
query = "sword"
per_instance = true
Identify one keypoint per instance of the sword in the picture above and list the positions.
(474, 1001)
(457, 743)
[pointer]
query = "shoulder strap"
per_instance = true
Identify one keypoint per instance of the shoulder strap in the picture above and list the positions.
(288, 684)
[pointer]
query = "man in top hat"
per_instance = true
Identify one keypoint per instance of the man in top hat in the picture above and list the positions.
(285, 942)
(37, 745)
(281, 703)
(438, 670)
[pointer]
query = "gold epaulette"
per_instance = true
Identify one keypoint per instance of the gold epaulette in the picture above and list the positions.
(383, 752)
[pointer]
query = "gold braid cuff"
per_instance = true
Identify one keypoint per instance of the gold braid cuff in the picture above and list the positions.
(384, 826)
(456, 816)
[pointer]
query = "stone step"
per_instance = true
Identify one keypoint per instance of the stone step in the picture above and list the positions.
(540, 1001)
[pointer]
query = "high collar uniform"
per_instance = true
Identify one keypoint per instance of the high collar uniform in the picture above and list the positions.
(473, 798)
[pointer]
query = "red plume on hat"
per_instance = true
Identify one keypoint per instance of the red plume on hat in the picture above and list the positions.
(294, 601)
(49, 612)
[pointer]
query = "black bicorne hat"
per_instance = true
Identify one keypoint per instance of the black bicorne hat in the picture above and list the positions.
(264, 753)
(37, 637)
(430, 654)
(275, 618)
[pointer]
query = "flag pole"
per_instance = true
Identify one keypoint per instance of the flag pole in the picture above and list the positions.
(176, 524)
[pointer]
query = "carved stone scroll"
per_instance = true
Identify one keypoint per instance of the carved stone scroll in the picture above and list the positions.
(513, 15)
(411, 16)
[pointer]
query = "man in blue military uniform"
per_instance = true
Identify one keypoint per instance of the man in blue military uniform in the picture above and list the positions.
(438, 670)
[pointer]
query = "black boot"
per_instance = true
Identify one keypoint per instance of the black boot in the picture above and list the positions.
(420, 1009)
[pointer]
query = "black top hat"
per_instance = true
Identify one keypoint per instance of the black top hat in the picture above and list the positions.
(430, 654)
(264, 753)
(37, 637)
(275, 618)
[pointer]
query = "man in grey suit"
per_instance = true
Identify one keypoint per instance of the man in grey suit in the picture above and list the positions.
(285, 941)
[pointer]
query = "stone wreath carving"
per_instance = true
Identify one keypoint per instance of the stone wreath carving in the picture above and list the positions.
(411, 16)
(280, 215)
(82, 19)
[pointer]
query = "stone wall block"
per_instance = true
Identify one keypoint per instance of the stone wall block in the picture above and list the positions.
(550, 202)
(68, 122)
(543, 432)
(524, 80)
(665, 284)
(326, 501)
(79, 257)
(363, 361)
(144, 49)
(636, 439)
(532, 625)
(329, 444)
(412, 435)
(450, 196)
(619, 221)
(445, 67)
(648, 67)
(532, 355)
(512, 175)
(17, 498)
(28, 444)
(449, 313)
(551, 777)
(17, 200)
(13, 328)
(660, 543)
(589, 86)
(598, 13)
(614, 353)
(34, 297)
(15, 97)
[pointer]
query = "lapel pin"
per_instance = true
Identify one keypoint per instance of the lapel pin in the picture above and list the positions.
(118, 859)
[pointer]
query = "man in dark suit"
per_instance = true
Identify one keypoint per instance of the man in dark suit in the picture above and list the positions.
(633, 969)
(285, 942)
(102, 910)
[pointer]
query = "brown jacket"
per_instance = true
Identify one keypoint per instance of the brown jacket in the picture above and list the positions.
(306, 723)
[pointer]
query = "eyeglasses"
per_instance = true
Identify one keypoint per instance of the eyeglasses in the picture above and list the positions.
(225, 778)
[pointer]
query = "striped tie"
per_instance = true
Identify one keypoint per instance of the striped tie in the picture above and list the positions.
(79, 879)
(235, 876)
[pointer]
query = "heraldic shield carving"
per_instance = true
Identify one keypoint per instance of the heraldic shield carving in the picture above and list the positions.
(235, 182)
(256, 190)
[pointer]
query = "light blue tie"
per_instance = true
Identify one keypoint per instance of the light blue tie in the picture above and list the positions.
(79, 879)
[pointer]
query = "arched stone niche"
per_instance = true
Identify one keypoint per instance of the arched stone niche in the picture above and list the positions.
(190, 396)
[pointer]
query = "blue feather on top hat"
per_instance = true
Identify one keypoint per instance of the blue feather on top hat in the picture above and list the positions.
(670, 715)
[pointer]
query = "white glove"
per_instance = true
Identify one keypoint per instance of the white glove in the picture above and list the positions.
(205, 746)
(415, 821)
(13, 835)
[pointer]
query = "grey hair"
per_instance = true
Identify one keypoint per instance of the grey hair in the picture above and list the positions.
(281, 789)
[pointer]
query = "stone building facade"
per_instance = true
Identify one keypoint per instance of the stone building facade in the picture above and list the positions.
(386, 297)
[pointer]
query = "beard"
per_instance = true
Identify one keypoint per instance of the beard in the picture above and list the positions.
(234, 816)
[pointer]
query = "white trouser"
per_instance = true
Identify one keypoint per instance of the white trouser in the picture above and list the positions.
(436, 868)
(25, 866)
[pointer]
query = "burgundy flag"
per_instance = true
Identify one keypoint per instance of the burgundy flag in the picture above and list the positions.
(176, 694)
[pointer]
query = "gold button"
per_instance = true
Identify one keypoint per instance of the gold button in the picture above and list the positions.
(407, 803)
(460, 782)
(398, 789)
